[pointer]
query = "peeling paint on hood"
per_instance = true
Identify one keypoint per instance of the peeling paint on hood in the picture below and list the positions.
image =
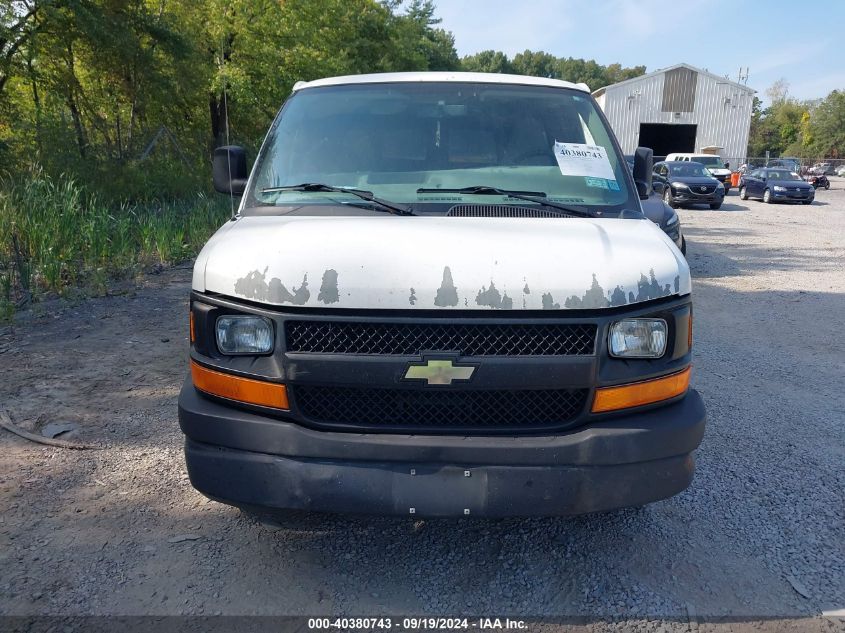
(442, 263)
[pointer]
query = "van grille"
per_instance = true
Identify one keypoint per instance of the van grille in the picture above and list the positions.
(440, 410)
(503, 211)
(411, 339)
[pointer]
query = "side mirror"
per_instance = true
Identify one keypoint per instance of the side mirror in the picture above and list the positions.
(643, 168)
(229, 170)
(658, 186)
(727, 165)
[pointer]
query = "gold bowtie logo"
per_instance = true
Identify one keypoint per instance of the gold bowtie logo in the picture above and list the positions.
(438, 372)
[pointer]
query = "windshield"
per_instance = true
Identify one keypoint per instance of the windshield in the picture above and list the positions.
(689, 170)
(783, 175)
(710, 161)
(395, 139)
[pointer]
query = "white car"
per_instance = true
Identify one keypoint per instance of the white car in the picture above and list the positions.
(840, 171)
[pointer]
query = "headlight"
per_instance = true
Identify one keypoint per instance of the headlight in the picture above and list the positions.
(720, 186)
(776, 188)
(679, 185)
(673, 219)
(638, 338)
(244, 334)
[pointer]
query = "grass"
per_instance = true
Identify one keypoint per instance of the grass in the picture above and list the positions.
(56, 238)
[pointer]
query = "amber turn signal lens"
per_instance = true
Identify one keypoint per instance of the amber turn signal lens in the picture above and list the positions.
(265, 394)
(192, 331)
(639, 393)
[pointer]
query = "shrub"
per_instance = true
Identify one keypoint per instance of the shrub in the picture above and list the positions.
(55, 237)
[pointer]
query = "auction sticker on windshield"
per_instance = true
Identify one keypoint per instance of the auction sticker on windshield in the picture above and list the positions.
(579, 159)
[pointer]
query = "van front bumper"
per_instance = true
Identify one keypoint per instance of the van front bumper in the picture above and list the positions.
(265, 464)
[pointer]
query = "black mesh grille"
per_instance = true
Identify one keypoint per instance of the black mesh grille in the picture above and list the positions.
(444, 410)
(410, 339)
(503, 211)
(701, 189)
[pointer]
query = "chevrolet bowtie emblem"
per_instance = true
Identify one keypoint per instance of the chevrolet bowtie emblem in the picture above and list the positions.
(438, 372)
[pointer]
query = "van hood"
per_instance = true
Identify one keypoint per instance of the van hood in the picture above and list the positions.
(428, 263)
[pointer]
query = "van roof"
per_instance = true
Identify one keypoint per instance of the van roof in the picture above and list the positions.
(487, 78)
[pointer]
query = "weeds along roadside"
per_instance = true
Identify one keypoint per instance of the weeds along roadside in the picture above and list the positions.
(56, 238)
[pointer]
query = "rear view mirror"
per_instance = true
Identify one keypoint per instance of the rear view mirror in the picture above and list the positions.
(229, 170)
(643, 168)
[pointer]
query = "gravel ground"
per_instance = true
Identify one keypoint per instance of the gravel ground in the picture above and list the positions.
(758, 540)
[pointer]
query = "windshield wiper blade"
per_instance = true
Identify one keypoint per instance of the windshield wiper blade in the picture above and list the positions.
(391, 207)
(537, 197)
(483, 190)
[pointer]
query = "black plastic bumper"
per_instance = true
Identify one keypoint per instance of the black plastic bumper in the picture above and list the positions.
(686, 198)
(256, 462)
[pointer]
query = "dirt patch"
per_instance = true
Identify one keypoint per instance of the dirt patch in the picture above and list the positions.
(120, 530)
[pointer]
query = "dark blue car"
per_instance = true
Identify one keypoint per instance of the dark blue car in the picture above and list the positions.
(776, 185)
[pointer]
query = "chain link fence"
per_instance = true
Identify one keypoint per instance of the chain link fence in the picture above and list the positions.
(803, 165)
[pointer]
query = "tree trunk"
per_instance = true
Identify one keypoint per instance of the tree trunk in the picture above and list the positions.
(81, 139)
(79, 128)
(219, 122)
(36, 102)
(119, 139)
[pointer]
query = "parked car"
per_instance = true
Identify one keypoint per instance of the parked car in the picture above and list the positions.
(792, 164)
(822, 169)
(840, 171)
(439, 297)
(718, 169)
(687, 183)
(664, 216)
(776, 185)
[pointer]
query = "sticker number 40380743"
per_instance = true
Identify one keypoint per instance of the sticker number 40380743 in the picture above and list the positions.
(579, 159)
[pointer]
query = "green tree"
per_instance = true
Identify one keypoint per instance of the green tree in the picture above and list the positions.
(417, 43)
(827, 126)
(18, 24)
(487, 62)
(783, 127)
(131, 95)
(536, 64)
(542, 64)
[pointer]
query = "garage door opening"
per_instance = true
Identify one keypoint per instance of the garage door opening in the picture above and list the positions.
(665, 138)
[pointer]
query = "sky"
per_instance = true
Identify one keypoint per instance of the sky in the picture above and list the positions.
(803, 43)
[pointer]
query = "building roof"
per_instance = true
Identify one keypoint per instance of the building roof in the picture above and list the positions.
(660, 71)
(487, 78)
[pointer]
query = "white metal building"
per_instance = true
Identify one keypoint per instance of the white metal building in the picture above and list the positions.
(680, 109)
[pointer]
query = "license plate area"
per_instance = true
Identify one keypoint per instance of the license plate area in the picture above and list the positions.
(439, 491)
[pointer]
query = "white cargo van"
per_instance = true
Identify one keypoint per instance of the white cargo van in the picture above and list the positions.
(713, 163)
(439, 296)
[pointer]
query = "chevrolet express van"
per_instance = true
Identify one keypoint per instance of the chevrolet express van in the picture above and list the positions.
(439, 296)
